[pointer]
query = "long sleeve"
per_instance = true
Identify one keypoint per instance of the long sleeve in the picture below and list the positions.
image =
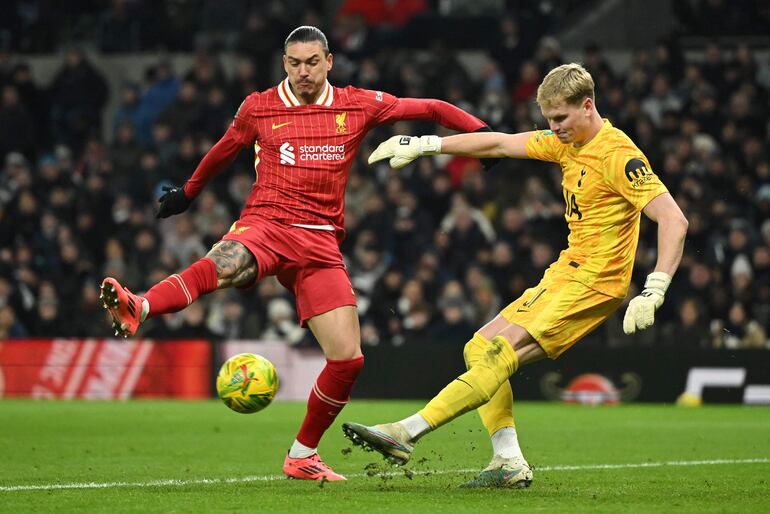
(441, 112)
(221, 155)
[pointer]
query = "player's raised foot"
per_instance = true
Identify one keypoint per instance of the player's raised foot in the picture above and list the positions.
(513, 473)
(124, 306)
(310, 468)
(390, 439)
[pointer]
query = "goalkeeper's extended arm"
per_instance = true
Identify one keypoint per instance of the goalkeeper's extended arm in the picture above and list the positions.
(444, 114)
(672, 229)
(401, 150)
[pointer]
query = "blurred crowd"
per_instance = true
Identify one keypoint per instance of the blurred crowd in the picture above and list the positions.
(434, 250)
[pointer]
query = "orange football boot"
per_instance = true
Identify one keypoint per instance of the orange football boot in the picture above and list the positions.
(124, 306)
(309, 468)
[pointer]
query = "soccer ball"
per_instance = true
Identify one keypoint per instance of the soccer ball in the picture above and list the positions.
(247, 383)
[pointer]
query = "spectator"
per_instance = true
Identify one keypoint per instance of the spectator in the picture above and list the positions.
(690, 329)
(662, 99)
(162, 89)
(78, 95)
(703, 123)
(128, 110)
(9, 325)
(184, 244)
(229, 319)
(739, 331)
(119, 28)
(281, 323)
(17, 126)
(35, 101)
(125, 150)
(185, 114)
(193, 324)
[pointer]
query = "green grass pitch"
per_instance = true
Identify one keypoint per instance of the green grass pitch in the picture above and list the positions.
(163, 456)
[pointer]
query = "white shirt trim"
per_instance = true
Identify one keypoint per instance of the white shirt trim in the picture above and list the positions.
(289, 100)
(314, 227)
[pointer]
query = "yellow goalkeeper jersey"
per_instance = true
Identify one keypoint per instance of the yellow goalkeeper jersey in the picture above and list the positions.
(606, 183)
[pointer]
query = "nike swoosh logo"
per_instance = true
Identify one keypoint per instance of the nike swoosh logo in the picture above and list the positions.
(522, 310)
(279, 125)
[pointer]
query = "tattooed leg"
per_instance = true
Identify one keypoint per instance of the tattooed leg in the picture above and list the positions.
(236, 265)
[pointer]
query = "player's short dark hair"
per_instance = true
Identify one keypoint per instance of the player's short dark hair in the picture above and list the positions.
(307, 34)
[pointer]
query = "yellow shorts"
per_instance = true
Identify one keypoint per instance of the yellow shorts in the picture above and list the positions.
(559, 312)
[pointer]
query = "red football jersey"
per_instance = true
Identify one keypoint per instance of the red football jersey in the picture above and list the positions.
(303, 153)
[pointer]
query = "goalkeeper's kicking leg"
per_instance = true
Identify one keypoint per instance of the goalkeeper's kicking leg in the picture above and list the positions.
(492, 356)
(508, 467)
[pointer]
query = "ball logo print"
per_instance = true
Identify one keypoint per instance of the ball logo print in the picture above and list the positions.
(247, 383)
(287, 154)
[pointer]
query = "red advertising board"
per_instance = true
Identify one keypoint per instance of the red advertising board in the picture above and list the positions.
(105, 369)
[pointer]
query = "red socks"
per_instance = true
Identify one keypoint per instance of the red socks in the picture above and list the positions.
(329, 395)
(180, 290)
(331, 390)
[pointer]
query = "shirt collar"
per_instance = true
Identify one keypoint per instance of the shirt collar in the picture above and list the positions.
(289, 100)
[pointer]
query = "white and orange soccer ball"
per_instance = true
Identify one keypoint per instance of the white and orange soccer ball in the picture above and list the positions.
(247, 383)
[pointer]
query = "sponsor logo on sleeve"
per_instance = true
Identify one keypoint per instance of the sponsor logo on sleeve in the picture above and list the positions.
(378, 96)
(638, 173)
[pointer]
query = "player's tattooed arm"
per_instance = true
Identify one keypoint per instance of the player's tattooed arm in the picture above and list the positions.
(236, 265)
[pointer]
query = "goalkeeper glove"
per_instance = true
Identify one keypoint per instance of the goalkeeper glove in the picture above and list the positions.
(172, 202)
(640, 313)
(401, 150)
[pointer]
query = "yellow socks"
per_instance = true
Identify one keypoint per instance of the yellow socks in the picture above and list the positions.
(493, 362)
(497, 413)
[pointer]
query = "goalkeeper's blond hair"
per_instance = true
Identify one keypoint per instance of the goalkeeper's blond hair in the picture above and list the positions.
(569, 83)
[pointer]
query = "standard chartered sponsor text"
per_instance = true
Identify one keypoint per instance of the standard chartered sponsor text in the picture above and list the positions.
(322, 152)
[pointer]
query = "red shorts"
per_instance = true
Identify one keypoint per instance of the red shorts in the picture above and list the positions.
(307, 262)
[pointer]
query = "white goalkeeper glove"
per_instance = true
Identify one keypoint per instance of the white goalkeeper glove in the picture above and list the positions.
(401, 150)
(640, 313)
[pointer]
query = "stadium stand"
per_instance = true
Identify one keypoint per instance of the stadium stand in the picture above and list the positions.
(83, 162)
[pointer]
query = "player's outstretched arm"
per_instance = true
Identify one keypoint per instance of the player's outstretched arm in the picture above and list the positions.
(487, 144)
(401, 150)
(672, 229)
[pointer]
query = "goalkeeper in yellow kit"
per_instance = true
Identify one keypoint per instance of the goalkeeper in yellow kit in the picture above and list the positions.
(607, 181)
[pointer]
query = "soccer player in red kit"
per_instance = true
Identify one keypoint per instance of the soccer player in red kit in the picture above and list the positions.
(305, 134)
